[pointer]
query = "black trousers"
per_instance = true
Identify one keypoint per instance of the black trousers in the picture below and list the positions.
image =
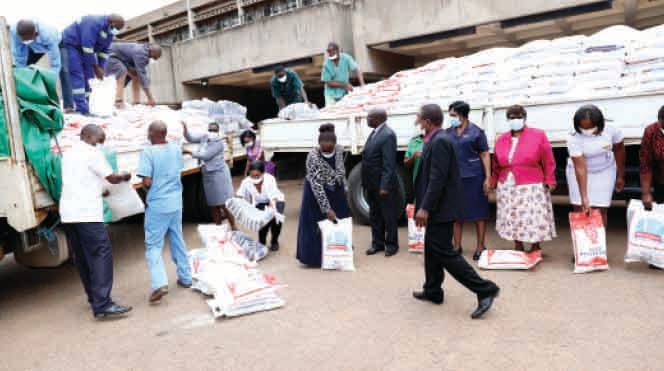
(94, 260)
(273, 226)
(384, 215)
(439, 255)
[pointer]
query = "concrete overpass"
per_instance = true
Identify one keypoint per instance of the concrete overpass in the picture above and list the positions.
(384, 36)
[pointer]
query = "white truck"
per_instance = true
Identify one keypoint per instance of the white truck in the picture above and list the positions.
(628, 113)
(29, 224)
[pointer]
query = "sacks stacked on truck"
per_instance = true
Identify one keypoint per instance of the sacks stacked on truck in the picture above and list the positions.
(299, 111)
(222, 269)
(616, 61)
(231, 116)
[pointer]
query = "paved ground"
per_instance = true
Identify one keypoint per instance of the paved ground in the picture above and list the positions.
(545, 319)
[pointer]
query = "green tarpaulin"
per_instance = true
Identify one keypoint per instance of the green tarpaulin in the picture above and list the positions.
(41, 119)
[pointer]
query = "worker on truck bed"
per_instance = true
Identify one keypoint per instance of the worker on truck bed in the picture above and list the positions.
(287, 87)
(129, 62)
(336, 74)
(31, 40)
(87, 45)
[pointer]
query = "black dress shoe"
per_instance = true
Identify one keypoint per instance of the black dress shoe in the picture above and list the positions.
(436, 299)
(477, 255)
(374, 250)
(654, 267)
(184, 285)
(274, 246)
(115, 310)
(484, 305)
(389, 253)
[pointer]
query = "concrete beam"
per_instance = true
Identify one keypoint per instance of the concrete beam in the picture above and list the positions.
(630, 11)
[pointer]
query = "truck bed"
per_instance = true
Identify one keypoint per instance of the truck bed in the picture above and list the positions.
(631, 114)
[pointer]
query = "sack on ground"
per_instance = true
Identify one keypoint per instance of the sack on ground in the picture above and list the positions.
(645, 234)
(509, 259)
(249, 216)
(589, 240)
(337, 244)
(415, 233)
(123, 201)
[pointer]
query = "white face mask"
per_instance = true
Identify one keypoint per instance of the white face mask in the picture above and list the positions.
(333, 57)
(28, 42)
(589, 132)
(213, 135)
(152, 61)
(256, 181)
(114, 31)
(283, 79)
(417, 131)
(327, 154)
(516, 124)
(249, 145)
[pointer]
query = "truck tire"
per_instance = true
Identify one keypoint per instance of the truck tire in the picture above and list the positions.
(46, 256)
(357, 200)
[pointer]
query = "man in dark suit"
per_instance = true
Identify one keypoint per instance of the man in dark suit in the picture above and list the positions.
(379, 179)
(439, 202)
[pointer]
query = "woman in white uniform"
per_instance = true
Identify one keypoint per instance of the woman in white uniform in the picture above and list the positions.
(597, 161)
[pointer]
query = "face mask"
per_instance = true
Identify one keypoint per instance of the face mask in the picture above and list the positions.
(114, 31)
(256, 181)
(213, 135)
(327, 154)
(517, 124)
(28, 42)
(333, 57)
(249, 145)
(589, 132)
(455, 122)
(152, 61)
(283, 79)
(417, 131)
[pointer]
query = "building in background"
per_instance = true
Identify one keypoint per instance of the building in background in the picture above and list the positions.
(228, 49)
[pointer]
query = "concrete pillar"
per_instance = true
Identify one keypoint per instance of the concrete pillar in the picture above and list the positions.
(299, 3)
(240, 11)
(190, 20)
(150, 35)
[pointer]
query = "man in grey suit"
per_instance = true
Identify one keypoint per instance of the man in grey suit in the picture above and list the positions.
(379, 179)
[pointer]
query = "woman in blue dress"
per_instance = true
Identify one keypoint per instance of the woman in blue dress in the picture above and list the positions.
(324, 195)
(472, 152)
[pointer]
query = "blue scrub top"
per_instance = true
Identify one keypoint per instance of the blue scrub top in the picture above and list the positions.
(468, 147)
(163, 163)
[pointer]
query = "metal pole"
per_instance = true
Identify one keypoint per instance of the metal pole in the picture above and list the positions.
(240, 11)
(8, 86)
(150, 35)
(190, 20)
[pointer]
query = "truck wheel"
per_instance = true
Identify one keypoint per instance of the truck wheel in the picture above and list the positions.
(359, 206)
(48, 255)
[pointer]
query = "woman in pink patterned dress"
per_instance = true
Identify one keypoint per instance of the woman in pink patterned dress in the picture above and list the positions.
(255, 152)
(523, 171)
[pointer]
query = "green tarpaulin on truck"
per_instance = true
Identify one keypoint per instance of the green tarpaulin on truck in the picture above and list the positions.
(41, 119)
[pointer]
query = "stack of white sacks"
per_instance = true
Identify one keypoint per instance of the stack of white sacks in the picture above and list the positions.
(126, 129)
(616, 61)
(226, 269)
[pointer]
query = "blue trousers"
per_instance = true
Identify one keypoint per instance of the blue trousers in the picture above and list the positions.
(94, 260)
(157, 226)
(79, 75)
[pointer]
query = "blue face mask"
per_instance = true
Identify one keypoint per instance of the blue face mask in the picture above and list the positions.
(114, 31)
(455, 122)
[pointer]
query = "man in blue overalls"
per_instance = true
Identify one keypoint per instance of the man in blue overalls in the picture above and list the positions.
(87, 43)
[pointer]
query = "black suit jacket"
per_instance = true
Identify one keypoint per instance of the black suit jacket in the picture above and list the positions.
(379, 161)
(438, 185)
